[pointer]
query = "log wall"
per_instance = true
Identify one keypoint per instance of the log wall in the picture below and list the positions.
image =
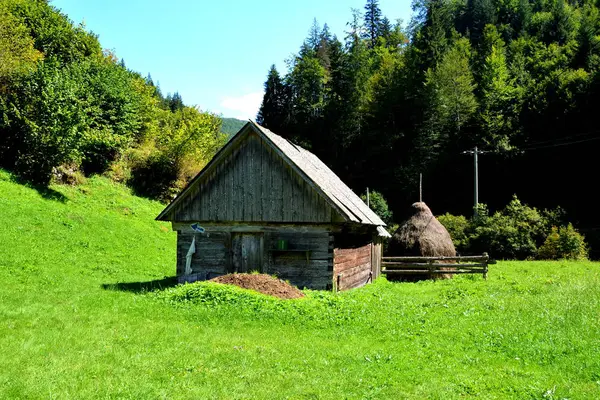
(307, 262)
(212, 257)
(352, 266)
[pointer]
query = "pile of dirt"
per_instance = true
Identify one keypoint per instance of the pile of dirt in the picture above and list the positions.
(262, 283)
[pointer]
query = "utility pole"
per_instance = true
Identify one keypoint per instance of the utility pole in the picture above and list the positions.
(368, 205)
(475, 152)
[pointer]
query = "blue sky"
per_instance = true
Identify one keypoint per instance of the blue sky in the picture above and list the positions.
(216, 54)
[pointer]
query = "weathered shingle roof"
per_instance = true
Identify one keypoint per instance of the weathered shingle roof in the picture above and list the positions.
(350, 206)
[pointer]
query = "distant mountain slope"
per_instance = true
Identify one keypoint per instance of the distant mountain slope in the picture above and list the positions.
(231, 126)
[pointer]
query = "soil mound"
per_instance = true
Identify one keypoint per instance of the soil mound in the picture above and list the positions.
(262, 283)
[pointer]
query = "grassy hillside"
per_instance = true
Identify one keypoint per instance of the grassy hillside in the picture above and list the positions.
(67, 330)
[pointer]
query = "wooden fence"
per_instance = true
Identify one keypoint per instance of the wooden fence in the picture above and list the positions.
(436, 265)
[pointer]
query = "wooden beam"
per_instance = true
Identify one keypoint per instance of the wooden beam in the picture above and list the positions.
(400, 265)
(424, 271)
(484, 257)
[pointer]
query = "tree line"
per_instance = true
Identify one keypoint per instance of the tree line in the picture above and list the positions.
(389, 101)
(69, 107)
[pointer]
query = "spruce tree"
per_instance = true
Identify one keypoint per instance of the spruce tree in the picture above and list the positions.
(373, 22)
(176, 102)
(272, 110)
(385, 30)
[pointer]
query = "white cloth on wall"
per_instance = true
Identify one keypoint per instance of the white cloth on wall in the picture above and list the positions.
(188, 257)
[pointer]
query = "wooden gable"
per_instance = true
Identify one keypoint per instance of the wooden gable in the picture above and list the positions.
(249, 181)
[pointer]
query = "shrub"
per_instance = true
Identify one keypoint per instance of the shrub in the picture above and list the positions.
(154, 177)
(188, 139)
(516, 232)
(98, 155)
(68, 175)
(563, 242)
(512, 233)
(457, 226)
(379, 205)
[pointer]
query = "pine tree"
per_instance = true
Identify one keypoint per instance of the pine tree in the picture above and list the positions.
(149, 80)
(314, 36)
(500, 102)
(373, 22)
(433, 27)
(451, 104)
(272, 110)
(356, 28)
(385, 30)
(479, 14)
(176, 102)
(322, 52)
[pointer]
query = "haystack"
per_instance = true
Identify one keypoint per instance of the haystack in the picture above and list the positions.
(422, 235)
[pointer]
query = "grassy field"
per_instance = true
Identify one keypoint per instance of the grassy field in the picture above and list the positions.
(68, 330)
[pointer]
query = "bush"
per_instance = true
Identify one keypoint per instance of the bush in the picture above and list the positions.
(98, 155)
(457, 226)
(188, 139)
(516, 232)
(154, 177)
(512, 233)
(379, 205)
(563, 243)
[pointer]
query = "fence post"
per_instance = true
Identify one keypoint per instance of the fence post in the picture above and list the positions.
(486, 258)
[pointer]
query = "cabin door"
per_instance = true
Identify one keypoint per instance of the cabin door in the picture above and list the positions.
(247, 252)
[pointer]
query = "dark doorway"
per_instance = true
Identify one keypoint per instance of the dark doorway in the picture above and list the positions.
(247, 252)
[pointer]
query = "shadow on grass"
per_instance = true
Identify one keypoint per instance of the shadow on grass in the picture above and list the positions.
(140, 287)
(44, 191)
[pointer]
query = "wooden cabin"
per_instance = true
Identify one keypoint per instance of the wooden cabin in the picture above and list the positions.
(265, 204)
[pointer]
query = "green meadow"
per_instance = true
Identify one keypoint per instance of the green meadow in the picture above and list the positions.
(87, 311)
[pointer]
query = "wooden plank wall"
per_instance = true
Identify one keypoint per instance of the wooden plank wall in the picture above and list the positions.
(376, 254)
(254, 184)
(212, 257)
(352, 266)
(214, 252)
(306, 263)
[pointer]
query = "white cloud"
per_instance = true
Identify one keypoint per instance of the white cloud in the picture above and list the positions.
(242, 107)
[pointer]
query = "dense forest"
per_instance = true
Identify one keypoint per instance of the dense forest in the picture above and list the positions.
(519, 79)
(68, 109)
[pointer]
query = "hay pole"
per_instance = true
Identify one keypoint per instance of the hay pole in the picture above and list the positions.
(421, 187)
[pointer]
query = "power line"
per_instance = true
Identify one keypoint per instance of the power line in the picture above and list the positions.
(475, 153)
(561, 144)
(563, 138)
(535, 146)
